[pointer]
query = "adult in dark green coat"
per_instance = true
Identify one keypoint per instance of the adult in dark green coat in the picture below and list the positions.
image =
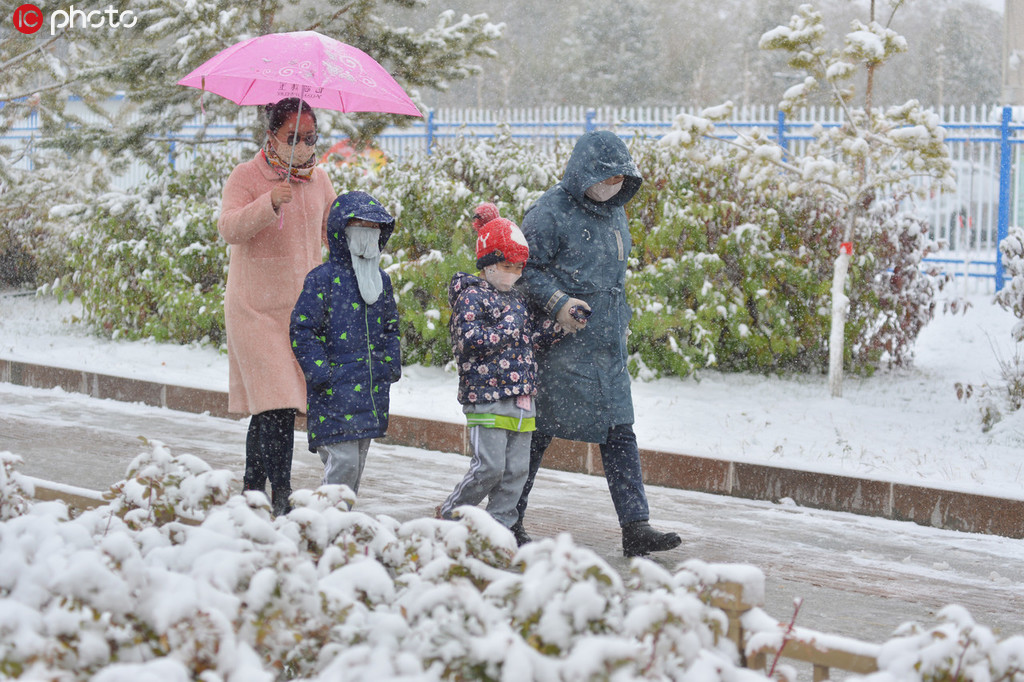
(579, 247)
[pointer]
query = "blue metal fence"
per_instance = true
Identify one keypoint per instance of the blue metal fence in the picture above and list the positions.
(985, 144)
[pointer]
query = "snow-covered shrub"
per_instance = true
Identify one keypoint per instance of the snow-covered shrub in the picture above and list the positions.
(732, 269)
(14, 490)
(328, 593)
(997, 399)
(34, 239)
(1011, 297)
(149, 263)
(161, 488)
(955, 650)
(730, 266)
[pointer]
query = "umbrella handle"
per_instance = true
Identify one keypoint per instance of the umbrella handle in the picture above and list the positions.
(291, 158)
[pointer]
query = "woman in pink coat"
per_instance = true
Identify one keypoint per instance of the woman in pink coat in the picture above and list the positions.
(269, 259)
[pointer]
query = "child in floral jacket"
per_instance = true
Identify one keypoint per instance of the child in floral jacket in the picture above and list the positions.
(494, 334)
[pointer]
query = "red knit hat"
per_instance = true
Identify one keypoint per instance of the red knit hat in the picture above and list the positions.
(497, 239)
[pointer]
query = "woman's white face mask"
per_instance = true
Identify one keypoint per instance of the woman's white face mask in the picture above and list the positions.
(602, 191)
(296, 154)
(502, 280)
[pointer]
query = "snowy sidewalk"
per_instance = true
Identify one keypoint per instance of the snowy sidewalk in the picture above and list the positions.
(858, 576)
(950, 509)
(897, 445)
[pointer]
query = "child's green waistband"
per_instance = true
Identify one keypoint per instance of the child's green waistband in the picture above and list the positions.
(497, 421)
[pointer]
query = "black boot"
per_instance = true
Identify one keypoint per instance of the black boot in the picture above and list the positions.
(638, 539)
(522, 537)
(279, 502)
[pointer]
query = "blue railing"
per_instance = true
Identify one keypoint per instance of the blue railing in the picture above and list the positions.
(984, 223)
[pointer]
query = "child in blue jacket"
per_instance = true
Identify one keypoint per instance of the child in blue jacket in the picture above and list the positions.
(344, 331)
(493, 336)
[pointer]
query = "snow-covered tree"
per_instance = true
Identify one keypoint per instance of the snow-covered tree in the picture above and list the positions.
(172, 38)
(74, 150)
(612, 49)
(874, 158)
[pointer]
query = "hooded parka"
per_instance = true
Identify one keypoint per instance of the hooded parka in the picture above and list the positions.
(349, 350)
(580, 248)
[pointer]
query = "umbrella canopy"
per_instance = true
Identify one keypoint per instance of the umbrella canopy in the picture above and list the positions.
(324, 72)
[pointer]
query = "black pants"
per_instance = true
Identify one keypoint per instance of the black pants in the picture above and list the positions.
(620, 458)
(268, 454)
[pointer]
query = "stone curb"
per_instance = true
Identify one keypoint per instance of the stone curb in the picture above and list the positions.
(948, 509)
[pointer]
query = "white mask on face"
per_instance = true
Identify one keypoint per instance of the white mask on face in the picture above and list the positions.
(297, 154)
(364, 245)
(500, 279)
(602, 192)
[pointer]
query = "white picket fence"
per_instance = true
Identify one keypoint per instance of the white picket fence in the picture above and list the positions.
(967, 221)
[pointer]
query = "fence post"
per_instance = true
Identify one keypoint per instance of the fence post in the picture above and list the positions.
(430, 132)
(1004, 192)
(781, 131)
(590, 124)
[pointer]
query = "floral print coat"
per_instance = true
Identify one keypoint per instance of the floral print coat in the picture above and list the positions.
(494, 335)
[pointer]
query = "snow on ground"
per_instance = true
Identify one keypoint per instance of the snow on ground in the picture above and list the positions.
(905, 425)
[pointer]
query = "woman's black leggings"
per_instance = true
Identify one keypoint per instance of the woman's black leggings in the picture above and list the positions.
(268, 454)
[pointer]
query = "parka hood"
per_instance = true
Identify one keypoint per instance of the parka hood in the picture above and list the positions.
(358, 205)
(597, 156)
(460, 281)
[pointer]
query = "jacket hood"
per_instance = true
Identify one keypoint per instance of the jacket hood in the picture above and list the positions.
(460, 282)
(597, 156)
(355, 205)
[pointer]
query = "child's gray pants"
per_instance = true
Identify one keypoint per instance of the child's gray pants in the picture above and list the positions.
(497, 471)
(343, 462)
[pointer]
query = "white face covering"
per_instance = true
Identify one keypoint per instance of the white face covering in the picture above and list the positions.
(602, 192)
(500, 279)
(364, 245)
(302, 153)
(296, 155)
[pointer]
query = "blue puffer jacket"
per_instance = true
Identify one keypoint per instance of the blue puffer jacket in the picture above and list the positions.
(349, 351)
(580, 248)
(494, 335)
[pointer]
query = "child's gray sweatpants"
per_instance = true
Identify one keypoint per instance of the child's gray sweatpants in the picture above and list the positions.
(343, 462)
(498, 467)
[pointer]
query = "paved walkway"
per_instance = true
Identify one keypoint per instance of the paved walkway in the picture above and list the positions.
(858, 576)
(954, 510)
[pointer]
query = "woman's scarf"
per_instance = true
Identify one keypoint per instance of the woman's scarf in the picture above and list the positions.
(300, 173)
(364, 245)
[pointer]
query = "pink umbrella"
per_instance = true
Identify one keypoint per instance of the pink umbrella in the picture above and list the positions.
(324, 72)
(321, 71)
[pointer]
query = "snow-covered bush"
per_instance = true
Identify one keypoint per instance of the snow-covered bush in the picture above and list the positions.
(1011, 297)
(733, 269)
(328, 593)
(150, 263)
(15, 492)
(997, 399)
(955, 650)
(730, 263)
(33, 242)
(161, 488)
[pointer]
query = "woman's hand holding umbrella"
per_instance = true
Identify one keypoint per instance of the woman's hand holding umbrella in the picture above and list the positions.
(281, 194)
